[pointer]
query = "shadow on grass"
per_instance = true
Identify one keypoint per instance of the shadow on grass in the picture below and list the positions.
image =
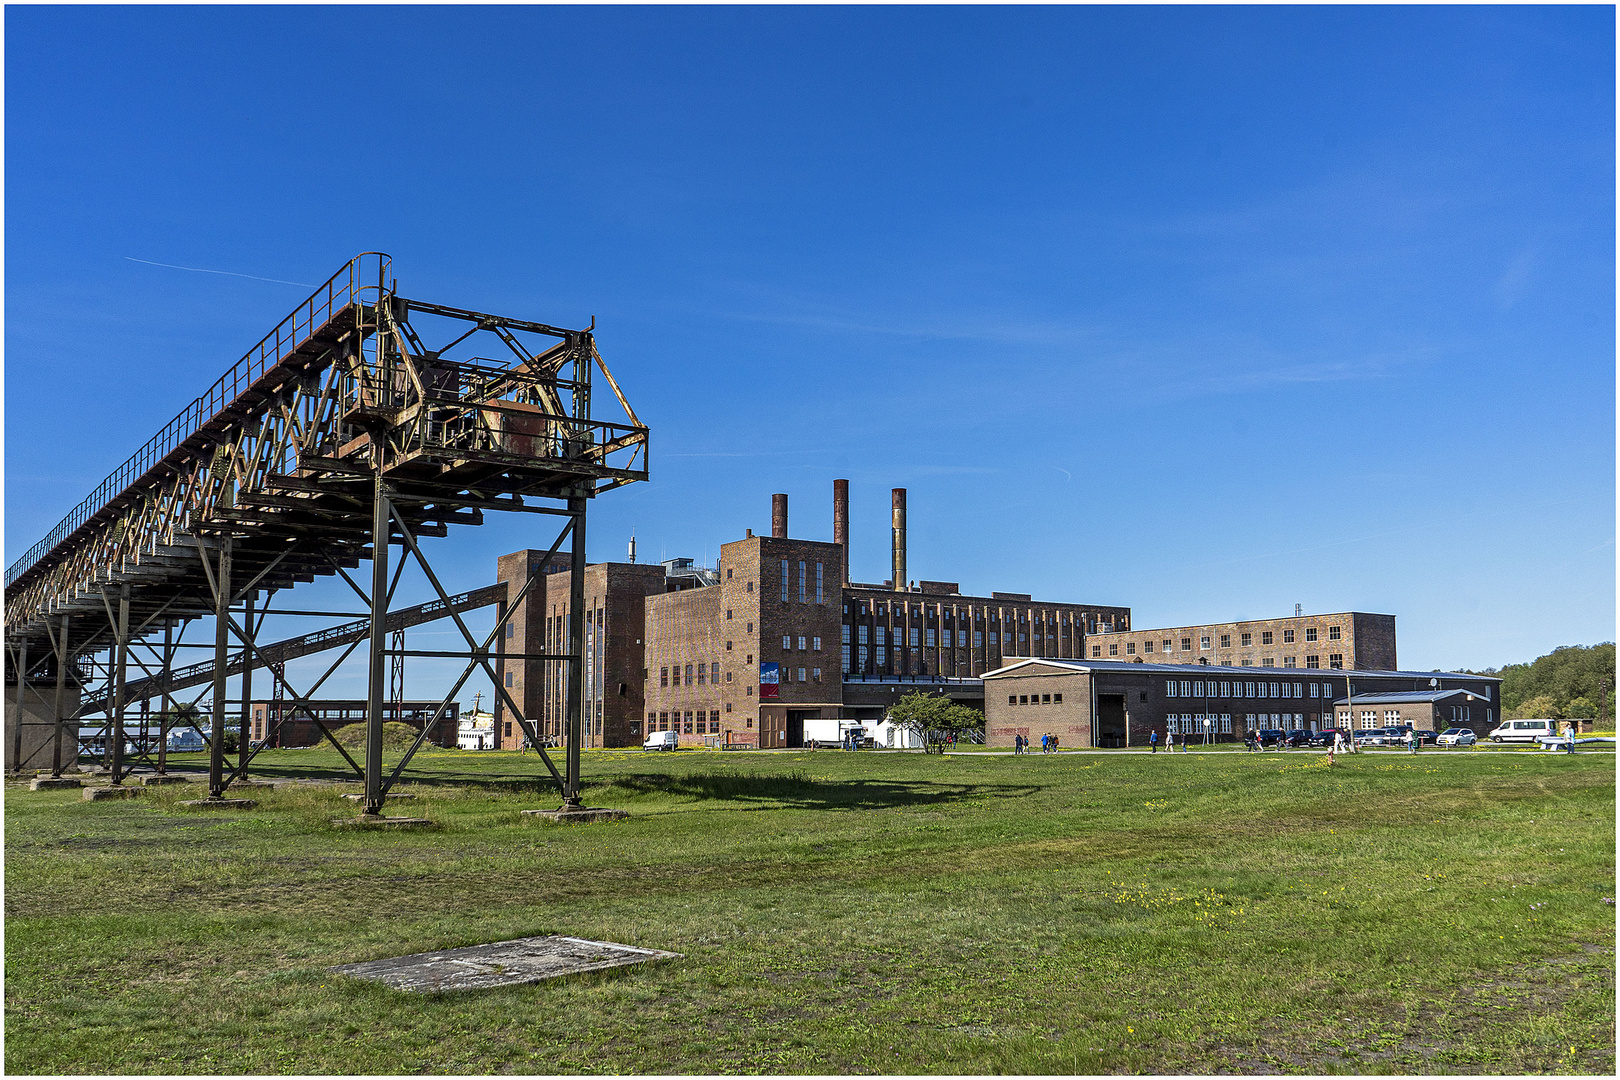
(798, 791)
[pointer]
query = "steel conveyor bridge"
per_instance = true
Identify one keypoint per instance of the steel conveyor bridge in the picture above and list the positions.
(364, 421)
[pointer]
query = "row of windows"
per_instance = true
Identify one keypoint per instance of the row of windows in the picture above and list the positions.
(787, 643)
(1191, 724)
(924, 637)
(1246, 640)
(671, 676)
(1197, 688)
(1313, 661)
(1034, 699)
(804, 596)
(689, 723)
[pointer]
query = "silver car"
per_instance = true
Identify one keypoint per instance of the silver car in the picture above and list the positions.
(1457, 736)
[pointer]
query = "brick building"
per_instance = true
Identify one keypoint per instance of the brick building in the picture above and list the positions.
(1112, 703)
(615, 599)
(1433, 710)
(1352, 640)
(782, 639)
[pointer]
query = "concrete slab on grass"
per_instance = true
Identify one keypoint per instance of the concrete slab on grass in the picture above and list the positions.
(219, 804)
(377, 821)
(47, 783)
(504, 963)
(390, 796)
(158, 781)
(97, 794)
(578, 816)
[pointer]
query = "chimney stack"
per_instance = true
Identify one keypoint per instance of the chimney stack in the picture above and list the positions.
(899, 539)
(779, 515)
(841, 520)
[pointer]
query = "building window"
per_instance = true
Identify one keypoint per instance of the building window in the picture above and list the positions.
(728, 646)
(1226, 689)
(1313, 661)
(728, 613)
(728, 573)
(845, 650)
(663, 676)
(1057, 699)
(882, 657)
(820, 598)
(1113, 650)
(929, 637)
(1288, 661)
(749, 587)
(1335, 660)
(1333, 633)
(801, 674)
(702, 671)
(1170, 688)
(1288, 637)
(1012, 699)
(1203, 641)
(1310, 633)
(688, 723)
(749, 628)
(1247, 640)
(1169, 645)
(1186, 688)
(862, 635)
(509, 678)
(784, 579)
(787, 643)
(1265, 637)
(1186, 644)
(803, 598)
(815, 674)
(1313, 690)
(1147, 646)
(1268, 662)
(1096, 651)
(1226, 641)
(1198, 689)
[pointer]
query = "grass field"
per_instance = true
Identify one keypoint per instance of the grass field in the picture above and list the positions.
(843, 913)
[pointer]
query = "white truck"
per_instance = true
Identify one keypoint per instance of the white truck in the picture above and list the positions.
(830, 731)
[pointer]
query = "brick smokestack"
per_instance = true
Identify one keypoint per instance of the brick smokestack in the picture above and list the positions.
(899, 539)
(841, 520)
(779, 515)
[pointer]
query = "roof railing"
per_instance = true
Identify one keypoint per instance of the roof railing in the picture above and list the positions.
(341, 289)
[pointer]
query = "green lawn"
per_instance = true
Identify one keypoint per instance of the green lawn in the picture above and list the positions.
(840, 912)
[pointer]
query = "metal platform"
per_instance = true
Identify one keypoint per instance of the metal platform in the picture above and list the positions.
(341, 433)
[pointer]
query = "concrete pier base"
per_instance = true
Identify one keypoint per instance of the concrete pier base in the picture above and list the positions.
(377, 821)
(50, 783)
(219, 804)
(158, 781)
(251, 785)
(574, 815)
(98, 794)
(352, 797)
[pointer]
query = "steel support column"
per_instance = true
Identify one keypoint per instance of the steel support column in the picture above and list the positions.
(378, 647)
(222, 648)
(62, 661)
(167, 700)
(242, 755)
(120, 673)
(576, 649)
(22, 689)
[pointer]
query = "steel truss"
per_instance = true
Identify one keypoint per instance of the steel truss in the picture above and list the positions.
(339, 435)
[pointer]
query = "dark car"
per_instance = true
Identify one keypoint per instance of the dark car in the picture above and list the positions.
(1326, 736)
(1427, 735)
(1371, 737)
(1298, 738)
(1268, 737)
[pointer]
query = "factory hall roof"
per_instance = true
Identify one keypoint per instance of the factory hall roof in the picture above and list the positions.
(1204, 671)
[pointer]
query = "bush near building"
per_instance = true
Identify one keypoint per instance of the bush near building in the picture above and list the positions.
(1574, 681)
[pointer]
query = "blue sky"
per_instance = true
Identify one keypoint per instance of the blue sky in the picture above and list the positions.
(1203, 311)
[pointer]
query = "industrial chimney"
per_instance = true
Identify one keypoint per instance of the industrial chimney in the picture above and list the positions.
(841, 520)
(779, 515)
(899, 539)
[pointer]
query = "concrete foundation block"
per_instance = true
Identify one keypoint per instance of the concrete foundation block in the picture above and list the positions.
(51, 783)
(219, 804)
(252, 785)
(377, 821)
(390, 797)
(159, 781)
(98, 794)
(574, 815)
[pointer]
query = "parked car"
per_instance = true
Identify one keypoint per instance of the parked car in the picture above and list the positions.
(1326, 736)
(1298, 738)
(1457, 736)
(662, 740)
(1427, 735)
(1267, 737)
(1373, 736)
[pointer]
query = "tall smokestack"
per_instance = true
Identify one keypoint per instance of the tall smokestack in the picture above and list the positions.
(779, 515)
(899, 539)
(841, 520)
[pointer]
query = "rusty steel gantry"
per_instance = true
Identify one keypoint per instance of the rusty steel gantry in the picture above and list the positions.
(341, 433)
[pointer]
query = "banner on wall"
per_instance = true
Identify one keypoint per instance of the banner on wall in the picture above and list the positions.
(769, 679)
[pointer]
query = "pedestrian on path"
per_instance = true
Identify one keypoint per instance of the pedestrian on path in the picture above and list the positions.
(1153, 741)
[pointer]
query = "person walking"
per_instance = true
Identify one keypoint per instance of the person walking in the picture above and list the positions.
(1412, 738)
(1569, 736)
(1153, 741)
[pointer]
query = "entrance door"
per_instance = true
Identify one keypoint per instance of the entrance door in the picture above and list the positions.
(795, 726)
(1111, 720)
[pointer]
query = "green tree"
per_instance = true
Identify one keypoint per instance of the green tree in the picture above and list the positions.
(1580, 708)
(1540, 707)
(1564, 675)
(933, 717)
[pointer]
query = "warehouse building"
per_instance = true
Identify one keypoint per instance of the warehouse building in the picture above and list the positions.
(1114, 703)
(1353, 640)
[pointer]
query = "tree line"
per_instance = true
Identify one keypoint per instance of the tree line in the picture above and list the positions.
(1571, 682)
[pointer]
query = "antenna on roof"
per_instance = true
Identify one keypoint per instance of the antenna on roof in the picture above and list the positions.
(1298, 611)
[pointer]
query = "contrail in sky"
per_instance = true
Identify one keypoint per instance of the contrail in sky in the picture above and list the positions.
(227, 273)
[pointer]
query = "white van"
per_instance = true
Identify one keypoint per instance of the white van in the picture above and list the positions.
(1525, 730)
(662, 740)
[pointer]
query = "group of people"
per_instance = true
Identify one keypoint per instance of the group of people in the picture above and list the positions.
(1170, 742)
(1049, 744)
